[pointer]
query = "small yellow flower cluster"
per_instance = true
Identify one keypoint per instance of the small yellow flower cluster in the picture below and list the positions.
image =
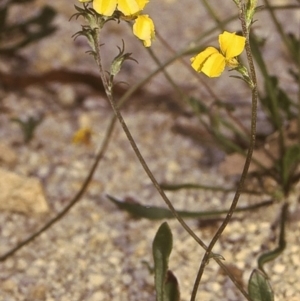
(143, 26)
(212, 62)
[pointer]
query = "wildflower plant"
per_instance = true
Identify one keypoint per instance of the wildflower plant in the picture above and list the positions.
(212, 62)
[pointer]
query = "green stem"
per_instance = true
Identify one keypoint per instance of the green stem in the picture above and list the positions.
(143, 163)
(109, 93)
(234, 203)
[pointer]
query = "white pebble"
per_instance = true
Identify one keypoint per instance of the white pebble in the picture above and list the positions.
(96, 279)
(97, 296)
(279, 268)
(22, 264)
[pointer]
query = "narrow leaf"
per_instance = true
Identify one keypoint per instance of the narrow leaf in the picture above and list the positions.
(161, 248)
(259, 288)
(156, 213)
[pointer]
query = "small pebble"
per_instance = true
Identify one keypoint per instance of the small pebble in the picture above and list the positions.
(96, 280)
(127, 279)
(279, 268)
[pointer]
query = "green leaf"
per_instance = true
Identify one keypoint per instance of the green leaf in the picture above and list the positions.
(271, 255)
(171, 289)
(156, 213)
(259, 288)
(161, 248)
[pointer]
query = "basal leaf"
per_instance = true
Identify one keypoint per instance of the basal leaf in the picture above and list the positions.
(161, 248)
(155, 213)
(259, 288)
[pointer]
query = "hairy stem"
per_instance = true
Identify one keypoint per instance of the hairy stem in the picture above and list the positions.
(239, 190)
(109, 93)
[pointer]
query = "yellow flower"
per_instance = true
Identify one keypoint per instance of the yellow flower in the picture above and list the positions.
(144, 29)
(143, 26)
(82, 136)
(212, 62)
(131, 7)
(127, 7)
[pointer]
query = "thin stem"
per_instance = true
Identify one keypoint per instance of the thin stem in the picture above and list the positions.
(119, 116)
(148, 171)
(234, 203)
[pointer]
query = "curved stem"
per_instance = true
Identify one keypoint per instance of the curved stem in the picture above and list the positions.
(234, 203)
(109, 93)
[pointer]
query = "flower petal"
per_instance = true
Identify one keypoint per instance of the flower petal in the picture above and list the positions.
(214, 65)
(210, 61)
(128, 7)
(142, 3)
(144, 29)
(105, 7)
(231, 44)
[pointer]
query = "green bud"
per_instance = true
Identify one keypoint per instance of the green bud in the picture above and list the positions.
(245, 75)
(250, 11)
(119, 60)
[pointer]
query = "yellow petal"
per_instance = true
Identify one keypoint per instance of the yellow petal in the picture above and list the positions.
(84, 0)
(142, 3)
(144, 29)
(231, 44)
(128, 7)
(105, 7)
(199, 60)
(214, 65)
